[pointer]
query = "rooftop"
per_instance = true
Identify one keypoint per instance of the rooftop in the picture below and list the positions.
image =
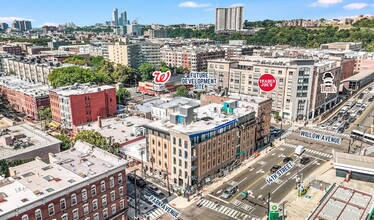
(26, 139)
(359, 76)
(345, 204)
(175, 102)
(353, 162)
(77, 89)
(208, 117)
(121, 129)
(31, 89)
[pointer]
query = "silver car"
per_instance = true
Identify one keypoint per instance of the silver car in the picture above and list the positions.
(228, 192)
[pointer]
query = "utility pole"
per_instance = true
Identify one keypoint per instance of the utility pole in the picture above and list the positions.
(136, 196)
(283, 205)
(268, 198)
(167, 178)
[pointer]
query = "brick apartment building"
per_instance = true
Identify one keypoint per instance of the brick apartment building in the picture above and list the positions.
(199, 142)
(84, 182)
(192, 58)
(24, 96)
(12, 49)
(78, 104)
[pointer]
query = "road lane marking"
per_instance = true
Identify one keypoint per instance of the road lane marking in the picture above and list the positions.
(259, 197)
(251, 169)
(260, 178)
(242, 181)
(272, 154)
(218, 192)
(290, 177)
(219, 199)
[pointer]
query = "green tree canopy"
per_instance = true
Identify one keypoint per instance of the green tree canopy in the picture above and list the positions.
(146, 71)
(92, 137)
(121, 94)
(45, 113)
(76, 60)
(66, 141)
(74, 74)
(182, 91)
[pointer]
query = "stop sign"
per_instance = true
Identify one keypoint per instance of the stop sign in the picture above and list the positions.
(267, 82)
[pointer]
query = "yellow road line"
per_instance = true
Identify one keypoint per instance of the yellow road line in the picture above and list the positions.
(231, 200)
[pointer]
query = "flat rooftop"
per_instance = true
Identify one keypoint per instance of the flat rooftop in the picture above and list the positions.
(87, 161)
(121, 129)
(345, 204)
(353, 162)
(31, 89)
(36, 179)
(359, 76)
(175, 102)
(29, 139)
(80, 89)
(208, 118)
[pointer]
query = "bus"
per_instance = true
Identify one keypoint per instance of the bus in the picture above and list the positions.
(355, 134)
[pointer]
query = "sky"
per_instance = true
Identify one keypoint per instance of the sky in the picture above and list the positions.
(87, 12)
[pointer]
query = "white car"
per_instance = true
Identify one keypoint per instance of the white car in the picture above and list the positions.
(336, 126)
(366, 104)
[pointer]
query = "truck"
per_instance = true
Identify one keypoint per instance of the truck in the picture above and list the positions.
(299, 150)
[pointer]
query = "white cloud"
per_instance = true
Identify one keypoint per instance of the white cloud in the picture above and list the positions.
(356, 6)
(9, 20)
(324, 3)
(237, 5)
(192, 5)
(210, 9)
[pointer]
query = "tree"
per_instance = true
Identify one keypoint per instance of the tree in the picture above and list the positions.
(76, 60)
(66, 141)
(181, 70)
(96, 61)
(146, 70)
(120, 74)
(182, 91)
(74, 74)
(92, 137)
(45, 113)
(121, 94)
(164, 67)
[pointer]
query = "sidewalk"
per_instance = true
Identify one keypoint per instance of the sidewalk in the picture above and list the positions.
(181, 202)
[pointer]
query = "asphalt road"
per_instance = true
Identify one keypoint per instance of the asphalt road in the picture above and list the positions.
(254, 179)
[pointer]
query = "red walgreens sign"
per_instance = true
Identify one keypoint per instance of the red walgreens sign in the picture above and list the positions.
(267, 82)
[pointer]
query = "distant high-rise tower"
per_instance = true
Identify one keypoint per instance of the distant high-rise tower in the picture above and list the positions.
(22, 25)
(123, 18)
(115, 17)
(229, 19)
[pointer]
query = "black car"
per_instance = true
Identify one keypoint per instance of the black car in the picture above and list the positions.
(275, 168)
(359, 112)
(351, 119)
(346, 125)
(305, 160)
(341, 129)
(287, 159)
(139, 181)
(345, 117)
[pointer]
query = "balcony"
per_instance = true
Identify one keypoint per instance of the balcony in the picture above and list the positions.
(193, 158)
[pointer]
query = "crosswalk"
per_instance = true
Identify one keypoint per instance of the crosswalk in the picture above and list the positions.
(310, 150)
(331, 132)
(155, 213)
(226, 210)
(242, 205)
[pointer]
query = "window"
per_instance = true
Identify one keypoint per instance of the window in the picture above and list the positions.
(75, 214)
(120, 190)
(73, 199)
(185, 144)
(174, 140)
(38, 215)
(84, 194)
(105, 213)
(25, 217)
(93, 190)
(112, 196)
(113, 209)
(85, 209)
(102, 186)
(180, 142)
(103, 200)
(96, 216)
(120, 178)
(63, 204)
(122, 204)
(111, 182)
(51, 209)
(64, 216)
(95, 205)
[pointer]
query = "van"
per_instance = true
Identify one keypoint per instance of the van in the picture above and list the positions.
(299, 150)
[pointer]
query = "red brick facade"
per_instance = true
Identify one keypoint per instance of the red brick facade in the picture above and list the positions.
(95, 202)
(86, 107)
(25, 103)
(348, 66)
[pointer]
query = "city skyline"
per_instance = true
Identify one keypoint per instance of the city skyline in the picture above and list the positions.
(46, 13)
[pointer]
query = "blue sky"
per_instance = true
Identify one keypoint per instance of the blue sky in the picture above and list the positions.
(85, 12)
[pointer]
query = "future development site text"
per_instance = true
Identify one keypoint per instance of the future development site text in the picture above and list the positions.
(198, 80)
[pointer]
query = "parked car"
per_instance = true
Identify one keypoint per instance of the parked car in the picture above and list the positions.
(359, 112)
(228, 192)
(154, 190)
(275, 168)
(341, 129)
(305, 160)
(287, 159)
(345, 117)
(351, 119)
(366, 104)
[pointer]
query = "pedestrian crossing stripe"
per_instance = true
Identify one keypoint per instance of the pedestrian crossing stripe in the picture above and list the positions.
(309, 150)
(225, 210)
(155, 213)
